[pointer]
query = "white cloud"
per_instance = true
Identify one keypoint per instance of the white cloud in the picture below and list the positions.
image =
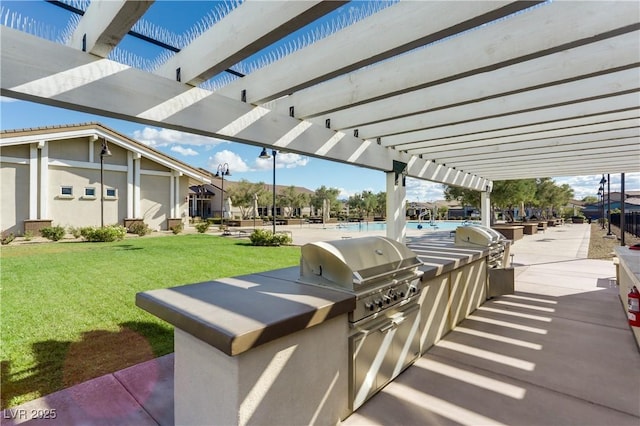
(289, 160)
(345, 194)
(184, 151)
(286, 160)
(588, 185)
(235, 162)
(421, 190)
(165, 137)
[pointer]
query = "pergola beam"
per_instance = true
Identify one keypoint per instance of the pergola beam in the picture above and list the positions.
(105, 23)
(615, 157)
(576, 64)
(395, 30)
(626, 146)
(60, 76)
(572, 29)
(554, 128)
(525, 121)
(536, 171)
(533, 142)
(249, 28)
(583, 90)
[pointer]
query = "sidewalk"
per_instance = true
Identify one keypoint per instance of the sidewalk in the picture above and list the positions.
(557, 352)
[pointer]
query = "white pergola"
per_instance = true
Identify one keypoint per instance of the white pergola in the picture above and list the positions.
(460, 93)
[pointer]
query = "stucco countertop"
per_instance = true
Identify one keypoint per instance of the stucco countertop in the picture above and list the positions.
(440, 257)
(237, 314)
(240, 313)
(630, 259)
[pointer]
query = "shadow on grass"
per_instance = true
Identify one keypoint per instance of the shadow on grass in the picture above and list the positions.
(61, 364)
(127, 247)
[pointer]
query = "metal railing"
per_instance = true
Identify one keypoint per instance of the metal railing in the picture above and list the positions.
(631, 222)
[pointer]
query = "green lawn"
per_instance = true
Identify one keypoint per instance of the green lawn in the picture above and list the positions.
(68, 308)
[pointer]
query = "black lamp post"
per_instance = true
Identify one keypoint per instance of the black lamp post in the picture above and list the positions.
(264, 155)
(608, 204)
(103, 153)
(600, 201)
(223, 169)
(602, 182)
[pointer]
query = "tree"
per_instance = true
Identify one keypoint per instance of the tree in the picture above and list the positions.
(369, 203)
(590, 199)
(551, 197)
(242, 195)
(381, 204)
(324, 193)
(286, 198)
(356, 205)
(508, 194)
(291, 199)
(466, 197)
(442, 212)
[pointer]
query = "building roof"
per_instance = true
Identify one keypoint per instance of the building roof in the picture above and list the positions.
(60, 132)
(216, 183)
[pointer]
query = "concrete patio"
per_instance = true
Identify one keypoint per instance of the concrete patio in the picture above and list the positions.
(557, 352)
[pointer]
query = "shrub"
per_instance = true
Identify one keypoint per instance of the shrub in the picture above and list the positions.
(176, 229)
(53, 233)
(74, 231)
(106, 234)
(261, 237)
(202, 227)
(139, 228)
(28, 235)
(7, 238)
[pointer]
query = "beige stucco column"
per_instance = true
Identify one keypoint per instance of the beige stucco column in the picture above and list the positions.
(136, 186)
(33, 181)
(485, 207)
(396, 215)
(174, 193)
(44, 179)
(129, 184)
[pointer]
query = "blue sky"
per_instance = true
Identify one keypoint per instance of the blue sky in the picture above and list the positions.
(208, 153)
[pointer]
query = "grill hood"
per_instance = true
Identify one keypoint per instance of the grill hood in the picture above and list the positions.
(477, 235)
(356, 262)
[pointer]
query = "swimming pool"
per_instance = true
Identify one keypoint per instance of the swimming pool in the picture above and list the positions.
(439, 225)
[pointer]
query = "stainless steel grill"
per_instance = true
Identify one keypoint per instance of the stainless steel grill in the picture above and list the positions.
(380, 272)
(384, 277)
(482, 236)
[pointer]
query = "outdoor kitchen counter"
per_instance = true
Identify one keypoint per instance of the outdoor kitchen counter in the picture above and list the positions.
(247, 346)
(442, 257)
(237, 314)
(628, 275)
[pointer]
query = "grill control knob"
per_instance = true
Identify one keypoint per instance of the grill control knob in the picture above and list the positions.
(413, 289)
(369, 306)
(387, 299)
(379, 303)
(402, 294)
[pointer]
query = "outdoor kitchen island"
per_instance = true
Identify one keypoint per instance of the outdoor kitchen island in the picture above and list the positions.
(267, 349)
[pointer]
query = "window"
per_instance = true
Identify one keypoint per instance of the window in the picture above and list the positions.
(90, 192)
(66, 192)
(111, 193)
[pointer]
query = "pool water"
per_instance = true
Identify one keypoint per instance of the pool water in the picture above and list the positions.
(439, 225)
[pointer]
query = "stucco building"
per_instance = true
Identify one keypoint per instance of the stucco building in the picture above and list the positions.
(55, 176)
